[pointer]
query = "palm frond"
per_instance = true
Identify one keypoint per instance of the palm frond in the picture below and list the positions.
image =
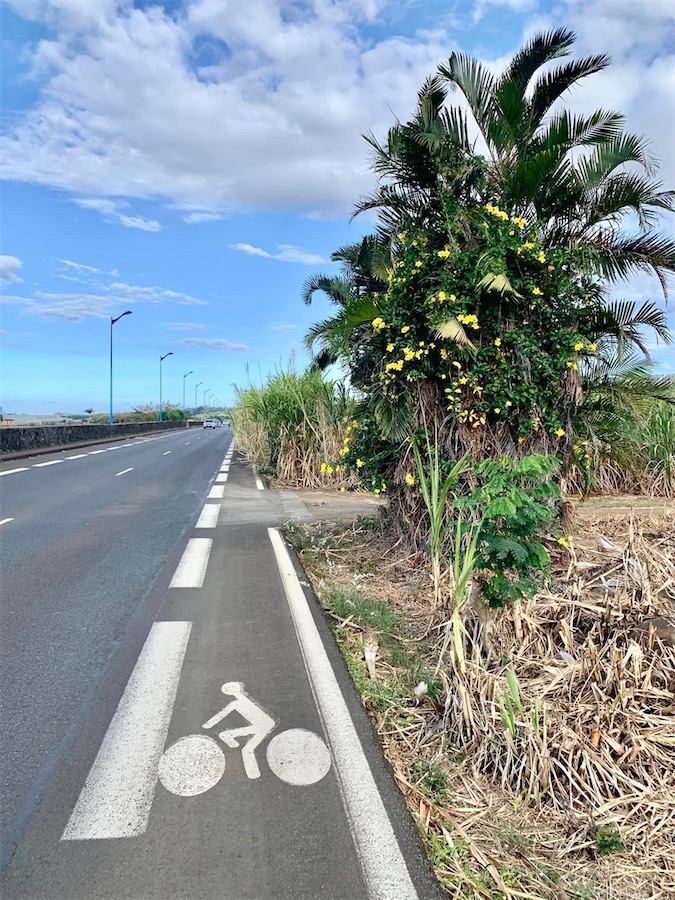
(540, 49)
(550, 86)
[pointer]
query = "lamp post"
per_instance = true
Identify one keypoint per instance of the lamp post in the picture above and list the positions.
(112, 322)
(196, 386)
(170, 353)
(209, 395)
(184, 377)
(206, 390)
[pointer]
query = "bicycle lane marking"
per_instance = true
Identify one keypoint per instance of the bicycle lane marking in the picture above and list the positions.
(385, 868)
(116, 799)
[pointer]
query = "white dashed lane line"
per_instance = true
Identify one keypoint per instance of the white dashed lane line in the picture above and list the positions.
(95, 452)
(192, 567)
(221, 478)
(124, 471)
(52, 462)
(5, 521)
(14, 471)
(217, 492)
(78, 456)
(208, 518)
(116, 799)
(166, 453)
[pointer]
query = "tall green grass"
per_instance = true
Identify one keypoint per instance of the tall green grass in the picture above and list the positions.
(291, 424)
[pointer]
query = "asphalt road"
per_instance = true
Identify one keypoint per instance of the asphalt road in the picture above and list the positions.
(146, 595)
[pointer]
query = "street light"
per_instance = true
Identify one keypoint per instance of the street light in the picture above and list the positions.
(196, 386)
(184, 377)
(206, 390)
(170, 353)
(112, 322)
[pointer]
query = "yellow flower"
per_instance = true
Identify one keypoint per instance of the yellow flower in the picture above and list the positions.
(537, 292)
(443, 254)
(359, 463)
(379, 323)
(418, 264)
(572, 365)
(566, 541)
(410, 479)
(405, 329)
(342, 490)
(329, 469)
(497, 410)
(579, 346)
(441, 296)
(376, 491)
(323, 467)
(401, 237)
(592, 347)
(508, 403)
(444, 353)
(498, 342)
(541, 258)
(560, 432)
(390, 347)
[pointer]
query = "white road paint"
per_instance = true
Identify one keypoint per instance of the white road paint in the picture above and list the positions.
(14, 471)
(258, 483)
(77, 456)
(208, 518)
(186, 443)
(124, 472)
(221, 478)
(52, 462)
(166, 453)
(94, 452)
(118, 447)
(383, 863)
(117, 795)
(192, 567)
(298, 757)
(5, 521)
(191, 766)
(217, 492)
(260, 725)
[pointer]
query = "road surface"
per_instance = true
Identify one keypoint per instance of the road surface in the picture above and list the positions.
(176, 720)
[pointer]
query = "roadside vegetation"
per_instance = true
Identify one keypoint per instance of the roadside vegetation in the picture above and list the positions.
(520, 668)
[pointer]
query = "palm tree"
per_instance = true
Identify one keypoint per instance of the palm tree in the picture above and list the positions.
(577, 176)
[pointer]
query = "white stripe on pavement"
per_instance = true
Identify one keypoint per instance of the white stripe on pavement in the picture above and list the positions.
(208, 518)
(258, 482)
(77, 456)
(117, 795)
(52, 462)
(166, 453)
(124, 471)
(94, 452)
(383, 863)
(192, 567)
(217, 492)
(5, 521)
(221, 478)
(13, 471)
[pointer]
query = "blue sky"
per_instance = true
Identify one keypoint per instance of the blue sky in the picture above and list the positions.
(196, 160)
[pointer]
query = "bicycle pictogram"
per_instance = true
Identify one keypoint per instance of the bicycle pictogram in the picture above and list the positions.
(194, 764)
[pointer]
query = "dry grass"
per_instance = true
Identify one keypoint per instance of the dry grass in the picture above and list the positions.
(528, 806)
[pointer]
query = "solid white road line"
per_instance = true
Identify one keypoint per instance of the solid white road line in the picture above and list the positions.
(124, 471)
(12, 471)
(5, 521)
(77, 456)
(117, 795)
(166, 453)
(208, 518)
(52, 462)
(217, 492)
(383, 863)
(192, 567)
(221, 478)
(94, 452)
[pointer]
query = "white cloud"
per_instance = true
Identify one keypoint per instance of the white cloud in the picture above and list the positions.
(139, 222)
(282, 326)
(210, 344)
(104, 205)
(81, 267)
(197, 218)
(9, 266)
(287, 253)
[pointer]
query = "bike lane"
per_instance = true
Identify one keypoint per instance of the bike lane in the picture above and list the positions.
(126, 821)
